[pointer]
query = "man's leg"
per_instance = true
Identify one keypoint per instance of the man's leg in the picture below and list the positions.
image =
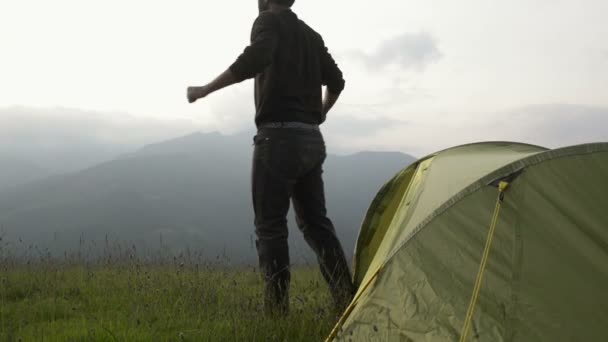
(271, 194)
(319, 232)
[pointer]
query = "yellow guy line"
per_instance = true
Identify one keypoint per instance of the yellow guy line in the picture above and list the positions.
(482, 266)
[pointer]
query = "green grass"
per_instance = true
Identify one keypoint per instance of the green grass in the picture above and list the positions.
(130, 302)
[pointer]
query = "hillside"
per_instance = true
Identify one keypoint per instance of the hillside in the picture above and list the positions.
(190, 192)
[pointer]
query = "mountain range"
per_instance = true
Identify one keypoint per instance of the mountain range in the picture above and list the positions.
(190, 192)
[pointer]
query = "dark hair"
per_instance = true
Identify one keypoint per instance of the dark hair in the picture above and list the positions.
(287, 3)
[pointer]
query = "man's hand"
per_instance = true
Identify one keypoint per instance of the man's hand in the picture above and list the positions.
(195, 93)
(227, 78)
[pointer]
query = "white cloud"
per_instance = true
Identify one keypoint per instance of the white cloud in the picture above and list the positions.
(63, 126)
(63, 140)
(549, 125)
(407, 51)
(231, 110)
(77, 138)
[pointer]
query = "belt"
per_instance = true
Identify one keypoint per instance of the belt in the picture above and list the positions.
(300, 125)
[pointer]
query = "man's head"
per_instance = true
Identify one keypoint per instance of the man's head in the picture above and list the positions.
(265, 5)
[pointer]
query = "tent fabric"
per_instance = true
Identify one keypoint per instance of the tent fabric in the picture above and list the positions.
(425, 232)
(451, 171)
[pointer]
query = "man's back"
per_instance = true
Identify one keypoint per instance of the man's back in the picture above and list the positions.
(290, 63)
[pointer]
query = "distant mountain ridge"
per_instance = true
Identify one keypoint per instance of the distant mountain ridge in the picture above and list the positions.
(193, 191)
(15, 172)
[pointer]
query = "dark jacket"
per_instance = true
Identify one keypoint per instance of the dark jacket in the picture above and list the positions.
(290, 63)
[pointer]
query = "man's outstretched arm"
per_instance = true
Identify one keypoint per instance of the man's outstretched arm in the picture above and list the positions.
(252, 61)
(227, 78)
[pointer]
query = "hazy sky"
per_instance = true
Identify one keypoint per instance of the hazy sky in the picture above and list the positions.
(421, 75)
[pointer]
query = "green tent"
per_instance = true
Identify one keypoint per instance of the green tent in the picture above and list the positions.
(527, 224)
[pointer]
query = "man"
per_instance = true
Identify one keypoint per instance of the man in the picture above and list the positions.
(290, 64)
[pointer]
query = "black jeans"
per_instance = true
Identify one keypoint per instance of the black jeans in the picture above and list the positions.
(287, 164)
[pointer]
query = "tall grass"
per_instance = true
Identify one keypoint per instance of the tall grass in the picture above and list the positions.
(128, 299)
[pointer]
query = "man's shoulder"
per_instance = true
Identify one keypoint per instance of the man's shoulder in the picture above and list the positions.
(266, 18)
(310, 29)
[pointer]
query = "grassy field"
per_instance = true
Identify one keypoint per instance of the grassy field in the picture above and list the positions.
(133, 301)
